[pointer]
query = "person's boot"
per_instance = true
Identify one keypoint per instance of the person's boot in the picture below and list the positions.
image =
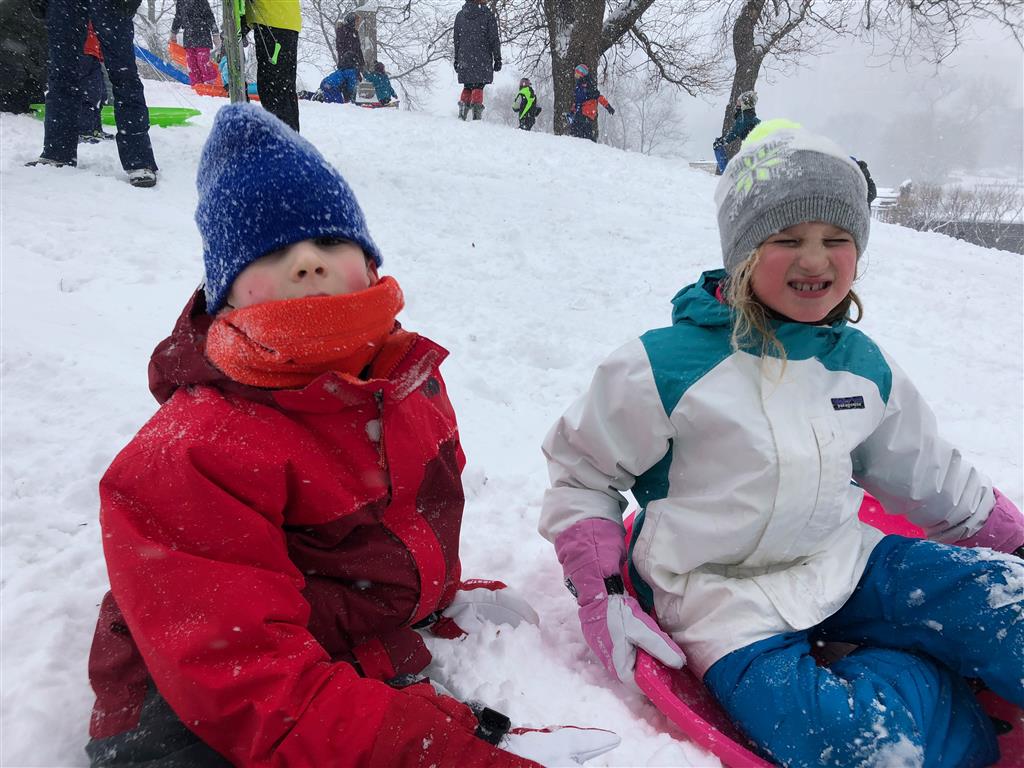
(142, 177)
(52, 163)
(478, 111)
(463, 110)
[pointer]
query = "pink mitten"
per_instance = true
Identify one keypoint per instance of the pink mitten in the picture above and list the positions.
(1003, 531)
(614, 625)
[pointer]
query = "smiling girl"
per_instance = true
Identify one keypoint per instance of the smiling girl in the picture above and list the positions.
(748, 432)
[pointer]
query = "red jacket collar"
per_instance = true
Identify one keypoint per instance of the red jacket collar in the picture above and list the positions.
(180, 361)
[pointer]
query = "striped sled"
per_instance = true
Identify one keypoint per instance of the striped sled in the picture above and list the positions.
(684, 700)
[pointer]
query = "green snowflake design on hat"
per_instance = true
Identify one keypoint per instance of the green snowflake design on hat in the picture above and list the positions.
(757, 167)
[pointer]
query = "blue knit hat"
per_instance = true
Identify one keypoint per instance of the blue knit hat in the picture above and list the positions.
(262, 187)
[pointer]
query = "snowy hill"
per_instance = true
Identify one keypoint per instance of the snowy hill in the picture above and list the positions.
(529, 256)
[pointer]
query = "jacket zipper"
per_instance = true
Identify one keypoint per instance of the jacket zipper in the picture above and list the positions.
(382, 458)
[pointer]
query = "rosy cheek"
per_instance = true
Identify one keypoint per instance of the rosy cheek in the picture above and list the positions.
(256, 289)
(356, 277)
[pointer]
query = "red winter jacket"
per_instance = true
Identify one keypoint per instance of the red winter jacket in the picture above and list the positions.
(259, 540)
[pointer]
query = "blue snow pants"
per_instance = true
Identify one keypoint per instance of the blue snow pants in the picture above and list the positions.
(66, 22)
(339, 87)
(924, 616)
(721, 158)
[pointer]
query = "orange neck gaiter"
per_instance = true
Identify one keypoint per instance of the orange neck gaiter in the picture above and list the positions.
(286, 344)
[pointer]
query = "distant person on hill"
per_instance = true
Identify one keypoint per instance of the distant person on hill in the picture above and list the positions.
(744, 119)
(583, 118)
(351, 62)
(66, 25)
(195, 22)
(381, 83)
(525, 105)
(477, 55)
(92, 88)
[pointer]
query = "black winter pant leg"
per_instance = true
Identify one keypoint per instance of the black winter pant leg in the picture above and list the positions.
(276, 82)
(93, 94)
(526, 123)
(160, 740)
(583, 128)
(66, 22)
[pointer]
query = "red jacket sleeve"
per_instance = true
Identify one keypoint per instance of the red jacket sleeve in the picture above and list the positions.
(192, 533)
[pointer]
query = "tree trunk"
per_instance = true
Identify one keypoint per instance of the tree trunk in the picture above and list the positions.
(574, 34)
(748, 62)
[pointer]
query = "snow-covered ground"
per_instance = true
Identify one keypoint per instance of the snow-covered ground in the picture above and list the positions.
(530, 257)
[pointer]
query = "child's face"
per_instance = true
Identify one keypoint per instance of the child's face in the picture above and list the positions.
(803, 272)
(322, 266)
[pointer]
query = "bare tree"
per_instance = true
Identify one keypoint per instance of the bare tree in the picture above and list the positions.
(647, 119)
(933, 29)
(640, 36)
(777, 32)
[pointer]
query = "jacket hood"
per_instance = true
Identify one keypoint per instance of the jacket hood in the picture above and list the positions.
(474, 9)
(180, 359)
(697, 304)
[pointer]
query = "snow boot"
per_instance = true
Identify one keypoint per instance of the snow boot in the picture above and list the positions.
(142, 177)
(463, 110)
(53, 163)
(478, 111)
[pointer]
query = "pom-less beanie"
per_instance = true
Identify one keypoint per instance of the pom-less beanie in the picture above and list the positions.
(784, 176)
(262, 187)
(582, 70)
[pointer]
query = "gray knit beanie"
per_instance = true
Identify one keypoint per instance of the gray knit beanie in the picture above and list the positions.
(784, 176)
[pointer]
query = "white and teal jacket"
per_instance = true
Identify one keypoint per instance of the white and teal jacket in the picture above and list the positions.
(744, 471)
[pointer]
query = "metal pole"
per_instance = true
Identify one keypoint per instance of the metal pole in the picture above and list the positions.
(232, 36)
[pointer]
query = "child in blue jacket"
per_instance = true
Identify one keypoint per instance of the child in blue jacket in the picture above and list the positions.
(744, 120)
(748, 432)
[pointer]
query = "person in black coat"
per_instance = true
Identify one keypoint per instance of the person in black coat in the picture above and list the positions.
(349, 49)
(477, 55)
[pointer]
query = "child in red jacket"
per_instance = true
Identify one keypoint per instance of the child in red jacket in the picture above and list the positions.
(283, 526)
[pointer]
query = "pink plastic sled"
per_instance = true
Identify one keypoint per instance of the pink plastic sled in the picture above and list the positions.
(683, 698)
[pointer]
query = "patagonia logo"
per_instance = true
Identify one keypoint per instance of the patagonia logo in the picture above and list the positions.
(847, 403)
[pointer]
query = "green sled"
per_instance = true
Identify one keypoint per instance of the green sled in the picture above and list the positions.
(162, 116)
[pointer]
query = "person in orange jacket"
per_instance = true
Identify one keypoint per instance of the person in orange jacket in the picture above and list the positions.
(284, 528)
(583, 118)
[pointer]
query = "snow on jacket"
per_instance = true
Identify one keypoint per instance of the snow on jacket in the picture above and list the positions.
(477, 47)
(748, 525)
(258, 540)
(195, 20)
(282, 14)
(347, 46)
(587, 97)
(743, 122)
